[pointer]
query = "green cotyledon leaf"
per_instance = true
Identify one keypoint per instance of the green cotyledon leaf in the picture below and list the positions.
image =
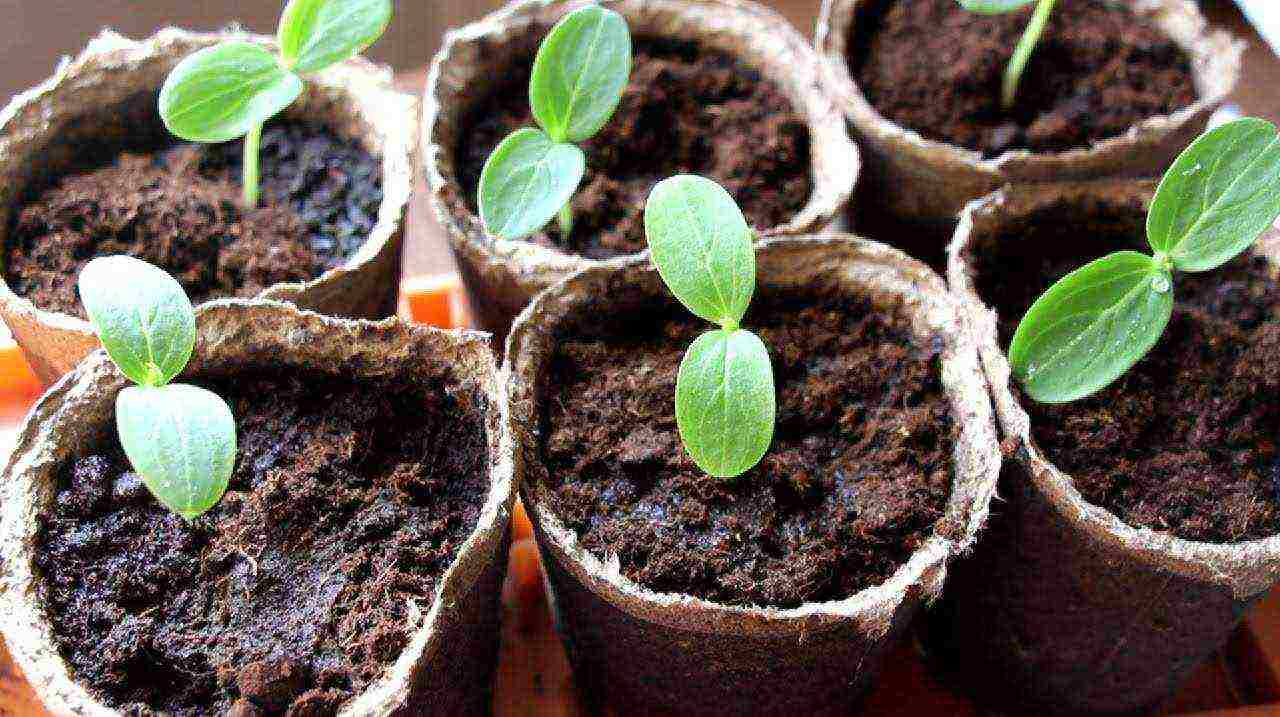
(702, 246)
(725, 402)
(314, 34)
(1091, 326)
(220, 93)
(182, 440)
(143, 317)
(1220, 194)
(579, 73)
(526, 181)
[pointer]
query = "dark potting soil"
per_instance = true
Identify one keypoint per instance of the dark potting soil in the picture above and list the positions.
(856, 480)
(295, 591)
(686, 109)
(932, 66)
(1186, 441)
(180, 208)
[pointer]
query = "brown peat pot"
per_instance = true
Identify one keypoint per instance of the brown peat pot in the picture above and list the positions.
(103, 103)
(645, 651)
(319, 600)
(926, 180)
(786, 136)
(1076, 609)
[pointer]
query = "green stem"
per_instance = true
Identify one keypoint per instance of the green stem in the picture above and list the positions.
(565, 218)
(1022, 53)
(252, 143)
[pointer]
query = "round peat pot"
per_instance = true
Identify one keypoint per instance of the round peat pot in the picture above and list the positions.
(650, 650)
(1127, 547)
(350, 568)
(922, 179)
(98, 113)
(783, 151)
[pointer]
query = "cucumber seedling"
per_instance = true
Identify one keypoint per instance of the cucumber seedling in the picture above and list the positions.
(702, 247)
(181, 439)
(230, 90)
(579, 73)
(1095, 323)
(1026, 45)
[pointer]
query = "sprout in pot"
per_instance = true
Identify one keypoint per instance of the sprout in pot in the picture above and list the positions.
(578, 76)
(311, 586)
(181, 439)
(1094, 324)
(230, 90)
(333, 173)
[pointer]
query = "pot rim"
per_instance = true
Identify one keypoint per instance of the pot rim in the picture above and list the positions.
(251, 331)
(976, 456)
(366, 86)
(1246, 568)
(1215, 68)
(834, 159)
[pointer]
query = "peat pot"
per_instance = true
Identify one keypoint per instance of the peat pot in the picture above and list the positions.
(722, 88)
(348, 569)
(645, 649)
(926, 180)
(1128, 546)
(98, 112)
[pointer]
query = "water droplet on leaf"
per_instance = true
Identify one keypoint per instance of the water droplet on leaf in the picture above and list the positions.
(1160, 283)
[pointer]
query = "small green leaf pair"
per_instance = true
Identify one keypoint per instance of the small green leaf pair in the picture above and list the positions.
(1097, 322)
(230, 90)
(181, 439)
(702, 246)
(1026, 45)
(579, 75)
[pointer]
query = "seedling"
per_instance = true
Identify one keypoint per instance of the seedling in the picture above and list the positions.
(1026, 46)
(1095, 323)
(578, 77)
(702, 247)
(230, 90)
(181, 439)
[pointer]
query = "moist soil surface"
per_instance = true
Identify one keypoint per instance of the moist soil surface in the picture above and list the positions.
(294, 592)
(686, 109)
(1185, 442)
(180, 207)
(932, 66)
(856, 480)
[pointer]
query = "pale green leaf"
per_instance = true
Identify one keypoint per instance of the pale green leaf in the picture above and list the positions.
(1220, 194)
(314, 34)
(580, 72)
(182, 440)
(526, 181)
(1091, 326)
(220, 93)
(143, 317)
(725, 404)
(993, 7)
(702, 247)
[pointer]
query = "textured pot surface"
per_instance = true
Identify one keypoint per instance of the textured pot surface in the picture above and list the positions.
(94, 104)
(648, 652)
(502, 276)
(926, 180)
(1077, 610)
(448, 665)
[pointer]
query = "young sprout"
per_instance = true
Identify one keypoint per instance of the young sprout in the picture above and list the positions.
(230, 90)
(701, 245)
(1098, 321)
(578, 77)
(1026, 45)
(181, 439)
